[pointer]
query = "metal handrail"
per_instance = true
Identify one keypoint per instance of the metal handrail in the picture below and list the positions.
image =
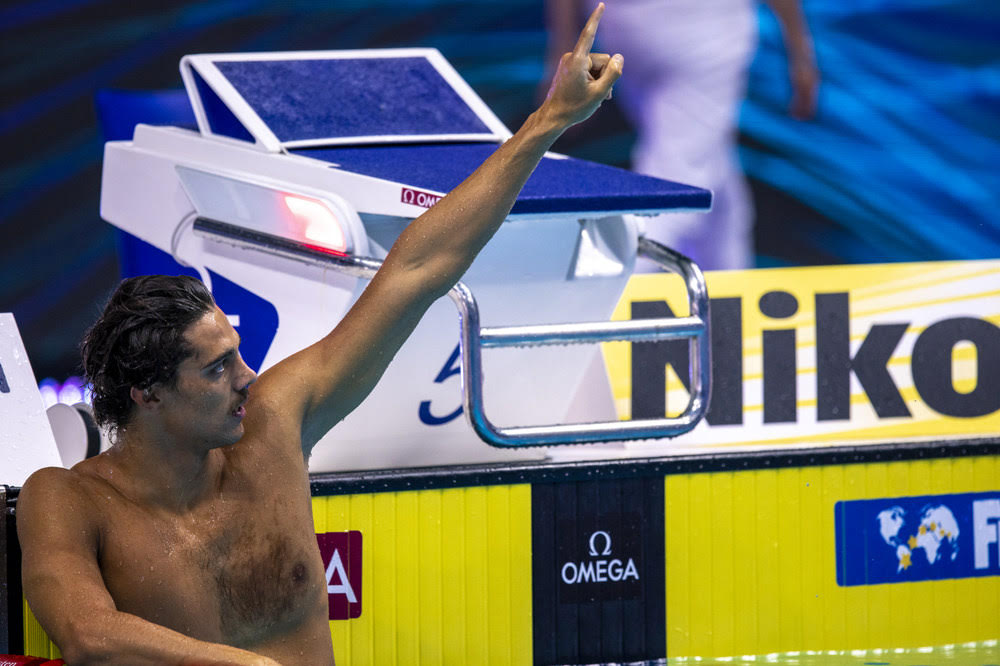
(474, 338)
(695, 327)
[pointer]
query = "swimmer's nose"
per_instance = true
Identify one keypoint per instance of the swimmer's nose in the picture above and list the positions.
(246, 377)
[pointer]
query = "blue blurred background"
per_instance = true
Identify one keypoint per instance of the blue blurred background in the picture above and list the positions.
(902, 162)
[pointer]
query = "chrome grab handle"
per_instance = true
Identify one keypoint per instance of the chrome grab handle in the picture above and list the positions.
(475, 338)
(694, 327)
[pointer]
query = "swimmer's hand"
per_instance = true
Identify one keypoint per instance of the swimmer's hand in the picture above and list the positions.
(583, 79)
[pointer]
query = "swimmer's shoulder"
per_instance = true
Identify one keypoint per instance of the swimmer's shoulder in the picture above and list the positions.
(52, 483)
(55, 502)
(58, 488)
(49, 481)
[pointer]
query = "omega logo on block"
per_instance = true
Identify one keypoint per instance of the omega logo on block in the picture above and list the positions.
(419, 198)
(599, 558)
(601, 570)
(598, 571)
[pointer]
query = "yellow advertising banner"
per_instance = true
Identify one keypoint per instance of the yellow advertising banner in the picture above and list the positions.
(823, 355)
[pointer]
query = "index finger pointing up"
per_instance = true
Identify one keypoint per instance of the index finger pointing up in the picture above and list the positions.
(586, 40)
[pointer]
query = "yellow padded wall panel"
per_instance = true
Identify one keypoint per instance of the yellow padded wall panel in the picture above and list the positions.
(446, 576)
(746, 621)
(677, 512)
(775, 529)
(810, 503)
(833, 611)
(788, 535)
(768, 575)
(856, 599)
(36, 642)
(723, 571)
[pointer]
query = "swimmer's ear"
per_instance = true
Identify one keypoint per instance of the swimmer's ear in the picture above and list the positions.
(146, 398)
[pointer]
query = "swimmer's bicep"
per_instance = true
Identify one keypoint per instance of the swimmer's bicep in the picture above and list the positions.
(59, 542)
(324, 382)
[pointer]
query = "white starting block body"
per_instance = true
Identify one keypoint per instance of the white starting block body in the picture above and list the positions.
(26, 440)
(305, 158)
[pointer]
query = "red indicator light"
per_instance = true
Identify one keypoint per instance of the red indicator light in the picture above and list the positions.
(318, 222)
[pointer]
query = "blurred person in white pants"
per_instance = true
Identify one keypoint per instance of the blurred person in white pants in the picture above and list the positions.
(688, 63)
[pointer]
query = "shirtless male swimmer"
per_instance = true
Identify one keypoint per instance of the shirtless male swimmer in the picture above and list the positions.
(190, 542)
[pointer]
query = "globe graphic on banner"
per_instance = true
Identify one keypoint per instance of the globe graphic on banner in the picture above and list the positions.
(934, 532)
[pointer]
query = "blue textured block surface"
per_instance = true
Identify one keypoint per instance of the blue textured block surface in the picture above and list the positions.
(317, 99)
(220, 119)
(556, 186)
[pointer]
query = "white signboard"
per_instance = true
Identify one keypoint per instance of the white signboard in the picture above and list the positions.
(26, 441)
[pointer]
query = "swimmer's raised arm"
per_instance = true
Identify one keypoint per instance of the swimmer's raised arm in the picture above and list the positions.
(66, 592)
(320, 385)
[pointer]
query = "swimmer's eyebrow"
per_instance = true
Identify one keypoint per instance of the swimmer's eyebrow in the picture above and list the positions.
(224, 356)
(219, 359)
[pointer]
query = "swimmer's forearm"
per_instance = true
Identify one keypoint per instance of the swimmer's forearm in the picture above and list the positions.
(114, 638)
(440, 245)
(444, 240)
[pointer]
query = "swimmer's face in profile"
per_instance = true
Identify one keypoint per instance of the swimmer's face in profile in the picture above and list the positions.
(207, 401)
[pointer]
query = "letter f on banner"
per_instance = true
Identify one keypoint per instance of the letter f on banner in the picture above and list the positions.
(986, 529)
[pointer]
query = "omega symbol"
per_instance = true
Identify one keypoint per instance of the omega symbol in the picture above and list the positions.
(607, 543)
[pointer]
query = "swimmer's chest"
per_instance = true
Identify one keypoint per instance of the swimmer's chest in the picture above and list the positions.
(235, 574)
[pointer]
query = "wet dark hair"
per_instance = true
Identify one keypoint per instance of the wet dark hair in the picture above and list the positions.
(139, 340)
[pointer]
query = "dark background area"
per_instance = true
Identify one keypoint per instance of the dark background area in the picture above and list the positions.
(900, 164)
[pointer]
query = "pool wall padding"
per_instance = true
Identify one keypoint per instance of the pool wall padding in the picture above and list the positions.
(749, 562)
